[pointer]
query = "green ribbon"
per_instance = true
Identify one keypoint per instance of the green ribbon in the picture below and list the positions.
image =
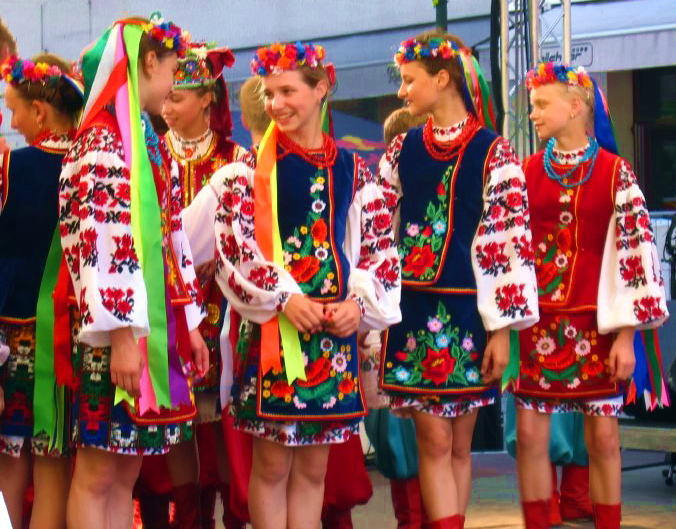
(48, 413)
(511, 373)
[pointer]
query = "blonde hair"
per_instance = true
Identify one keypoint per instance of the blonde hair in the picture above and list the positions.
(586, 95)
(252, 105)
(400, 121)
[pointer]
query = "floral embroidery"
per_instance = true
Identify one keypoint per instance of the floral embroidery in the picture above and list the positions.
(436, 356)
(124, 255)
(633, 272)
(492, 258)
(421, 245)
(118, 302)
(611, 407)
(562, 353)
(511, 300)
(308, 253)
(647, 309)
(436, 406)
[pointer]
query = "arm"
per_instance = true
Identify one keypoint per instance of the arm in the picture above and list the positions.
(98, 246)
(257, 288)
(631, 290)
(375, 274)
(502, 252)
(388, 181)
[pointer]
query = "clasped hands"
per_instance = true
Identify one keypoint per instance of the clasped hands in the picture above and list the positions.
(340, 319)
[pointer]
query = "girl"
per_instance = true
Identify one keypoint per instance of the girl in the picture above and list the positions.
(131, 272)
(459, 200)
(589, 217)
(306, 262)
(45, 103)
(198, 115)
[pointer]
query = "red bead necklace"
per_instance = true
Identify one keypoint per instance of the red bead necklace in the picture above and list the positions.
(447, 150)
(324, 157)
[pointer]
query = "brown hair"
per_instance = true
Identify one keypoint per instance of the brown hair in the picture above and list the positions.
(63, 96)
(252, 105)
(433, 65)
(7, 39)
(400, 121)
(148, 44)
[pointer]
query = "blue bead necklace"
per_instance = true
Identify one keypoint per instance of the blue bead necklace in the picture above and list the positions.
(590, 153)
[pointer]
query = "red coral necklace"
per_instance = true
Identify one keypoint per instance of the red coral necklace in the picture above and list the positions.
(447, 150)
(325, 157)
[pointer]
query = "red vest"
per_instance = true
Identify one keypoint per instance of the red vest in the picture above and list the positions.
(569, 229)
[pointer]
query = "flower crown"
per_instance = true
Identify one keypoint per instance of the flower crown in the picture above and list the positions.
(548, 72)
(15, 71)
(283, 56)
(196, 68)
(413, 50)
(168, 34)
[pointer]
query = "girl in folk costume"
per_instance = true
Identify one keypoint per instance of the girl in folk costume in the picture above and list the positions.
(131, 271)
(198, 115)
(7, 47)
(306, 257)
(45, 103)
(589, 217)
(459, 201)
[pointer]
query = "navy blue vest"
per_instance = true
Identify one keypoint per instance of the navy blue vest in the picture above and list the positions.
(420, 176)
(27, 224)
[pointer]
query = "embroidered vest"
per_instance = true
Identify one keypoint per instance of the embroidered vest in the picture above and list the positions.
(569, 229)
(440, 210)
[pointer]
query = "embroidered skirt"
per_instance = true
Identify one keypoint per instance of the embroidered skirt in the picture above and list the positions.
(17, 379)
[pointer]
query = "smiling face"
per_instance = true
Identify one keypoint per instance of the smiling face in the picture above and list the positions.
(292, 102)
(25, 114)
(156, 78)
(554, 108)
(185, 107)
(419, 89)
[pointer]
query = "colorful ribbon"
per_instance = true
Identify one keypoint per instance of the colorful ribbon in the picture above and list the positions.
(648, 377)
(475, 90)
(510, 376)
(269, 241)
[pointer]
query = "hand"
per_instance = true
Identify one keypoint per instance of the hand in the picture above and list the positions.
(342, 319)
(304, 314)
(126, 361)
(200, 352)
(496, 356)
(621, 361)
(205, 271)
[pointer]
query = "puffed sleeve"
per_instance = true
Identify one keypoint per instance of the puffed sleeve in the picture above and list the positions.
(502, 249)
(95, 227)
(375, 271)
(258, 289)
(388, 180)
(194, 311)
(631, 290)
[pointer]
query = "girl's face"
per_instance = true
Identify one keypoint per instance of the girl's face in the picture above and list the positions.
(156, 80)
(291, 102)
(420, 90)
(553, 109)
(185, 107)
(26, 115)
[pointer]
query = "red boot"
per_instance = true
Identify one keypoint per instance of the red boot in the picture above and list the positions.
(555, 510)
(536, 514)
(335, 519)
(208, 507)
(187, 503)
(607, 516)
(457, 521)
(575, 502)
(407, 503)
(230, 520)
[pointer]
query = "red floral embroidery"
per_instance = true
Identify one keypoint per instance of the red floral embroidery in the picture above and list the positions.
(633, 272)
(510, 300)
(647, 309)
(492, 258)
(118, 302)
(419, 260)
(124, 255)
(438, 365)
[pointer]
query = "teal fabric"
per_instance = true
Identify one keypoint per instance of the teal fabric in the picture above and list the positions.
(393, 439)
(566, 441)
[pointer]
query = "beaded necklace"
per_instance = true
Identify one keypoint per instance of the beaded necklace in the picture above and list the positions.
(590, 153)
(325, 157)
(447, 150)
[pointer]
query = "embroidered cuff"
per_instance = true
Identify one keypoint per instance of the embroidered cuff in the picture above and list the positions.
(358, 299)
(282, 301)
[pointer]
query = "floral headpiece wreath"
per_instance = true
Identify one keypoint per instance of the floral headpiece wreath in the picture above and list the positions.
(412, 50)
(197, 69)
(548, 73)
(168, 34)
(283, 56)
(15, 71)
